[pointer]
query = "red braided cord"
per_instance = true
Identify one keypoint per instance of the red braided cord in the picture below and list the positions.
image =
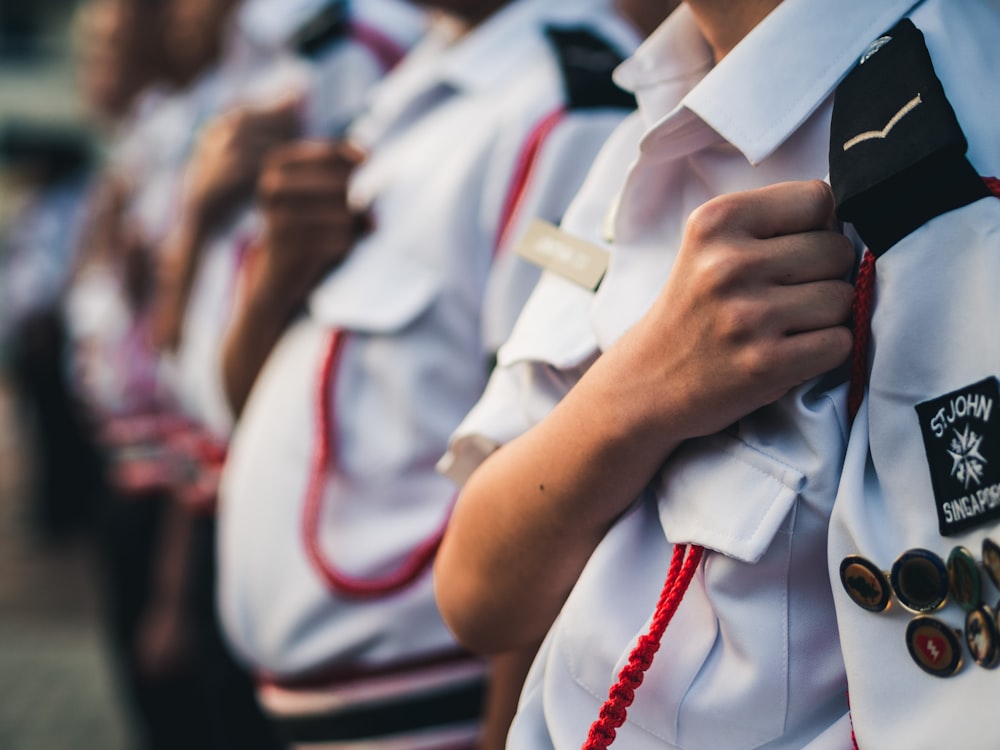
(622, 693)
(412, 567)
(523, 170)
(854, 739)
(861, 313)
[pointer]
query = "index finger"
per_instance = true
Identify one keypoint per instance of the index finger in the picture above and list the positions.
(313, 153)
(786, 208)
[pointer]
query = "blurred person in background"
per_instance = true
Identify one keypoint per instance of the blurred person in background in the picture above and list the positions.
(183, 691)
(239, 91)
(48, 171)
(118, 55)
(369, 308)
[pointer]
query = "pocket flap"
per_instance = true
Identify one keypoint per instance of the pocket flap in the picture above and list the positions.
(726, 495)
(375, 290)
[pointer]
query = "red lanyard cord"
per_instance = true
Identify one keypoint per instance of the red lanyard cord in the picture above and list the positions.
(861, 316)
(523, 169)
(322, 461)
(622, 693)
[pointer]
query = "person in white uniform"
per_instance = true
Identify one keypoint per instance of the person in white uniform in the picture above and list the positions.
(315, 63)
(273, 51)
(330, 507)
(687, 421)
(186, 689)
(914, 533)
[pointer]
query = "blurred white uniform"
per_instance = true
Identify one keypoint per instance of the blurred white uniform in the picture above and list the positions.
(334, 82)
(468, 139)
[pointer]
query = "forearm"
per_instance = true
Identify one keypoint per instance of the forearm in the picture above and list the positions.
(529, 518)
(173, 553)
(507, 673)
(253, 332)
(175, 279)
(755, 304)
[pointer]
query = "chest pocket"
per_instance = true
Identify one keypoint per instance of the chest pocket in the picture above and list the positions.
(734, 663)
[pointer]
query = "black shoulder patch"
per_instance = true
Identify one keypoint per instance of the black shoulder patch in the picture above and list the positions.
(897, 151)
(323, 29)
(587, 62)
(962, 441)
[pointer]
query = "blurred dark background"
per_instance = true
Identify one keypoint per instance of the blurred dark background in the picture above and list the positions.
(56, 690)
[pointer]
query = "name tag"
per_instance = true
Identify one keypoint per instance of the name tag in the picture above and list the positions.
(565, 255)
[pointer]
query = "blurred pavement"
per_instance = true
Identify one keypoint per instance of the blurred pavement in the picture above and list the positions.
(56, 690)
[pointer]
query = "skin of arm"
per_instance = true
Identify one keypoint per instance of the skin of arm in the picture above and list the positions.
(507, 674)
(164, 639)
(754, 306)
(308, 229)
(220, 177)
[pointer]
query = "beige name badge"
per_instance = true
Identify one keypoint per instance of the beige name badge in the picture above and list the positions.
(565, 255)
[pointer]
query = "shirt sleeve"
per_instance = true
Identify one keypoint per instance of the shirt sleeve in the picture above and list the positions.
(517, 397)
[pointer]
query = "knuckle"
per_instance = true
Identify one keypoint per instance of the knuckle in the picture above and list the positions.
(268, 186)
(736, 321)
(721, 267)
(712, 217)
(832, 351)
(838, 297)
(820, 193)
(844, 294)
(272, 160)
(820, 197)
(846, 254)
(757, 363)
(841, 343)
(238, 120)
(281, 156)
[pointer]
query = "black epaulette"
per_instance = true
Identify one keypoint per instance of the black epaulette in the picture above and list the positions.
(587, 62)
(329, 25)
(897, 151)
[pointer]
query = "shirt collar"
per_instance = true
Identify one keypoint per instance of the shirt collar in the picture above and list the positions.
(800, 52)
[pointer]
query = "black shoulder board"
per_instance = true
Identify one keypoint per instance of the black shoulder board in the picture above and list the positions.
(322, 30)
(897, 152)
(587, 62)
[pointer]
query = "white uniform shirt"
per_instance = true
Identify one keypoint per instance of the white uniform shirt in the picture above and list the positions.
(336, 85)
(115, 367)
(751, 658)
(425, 299)
(932, 334)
